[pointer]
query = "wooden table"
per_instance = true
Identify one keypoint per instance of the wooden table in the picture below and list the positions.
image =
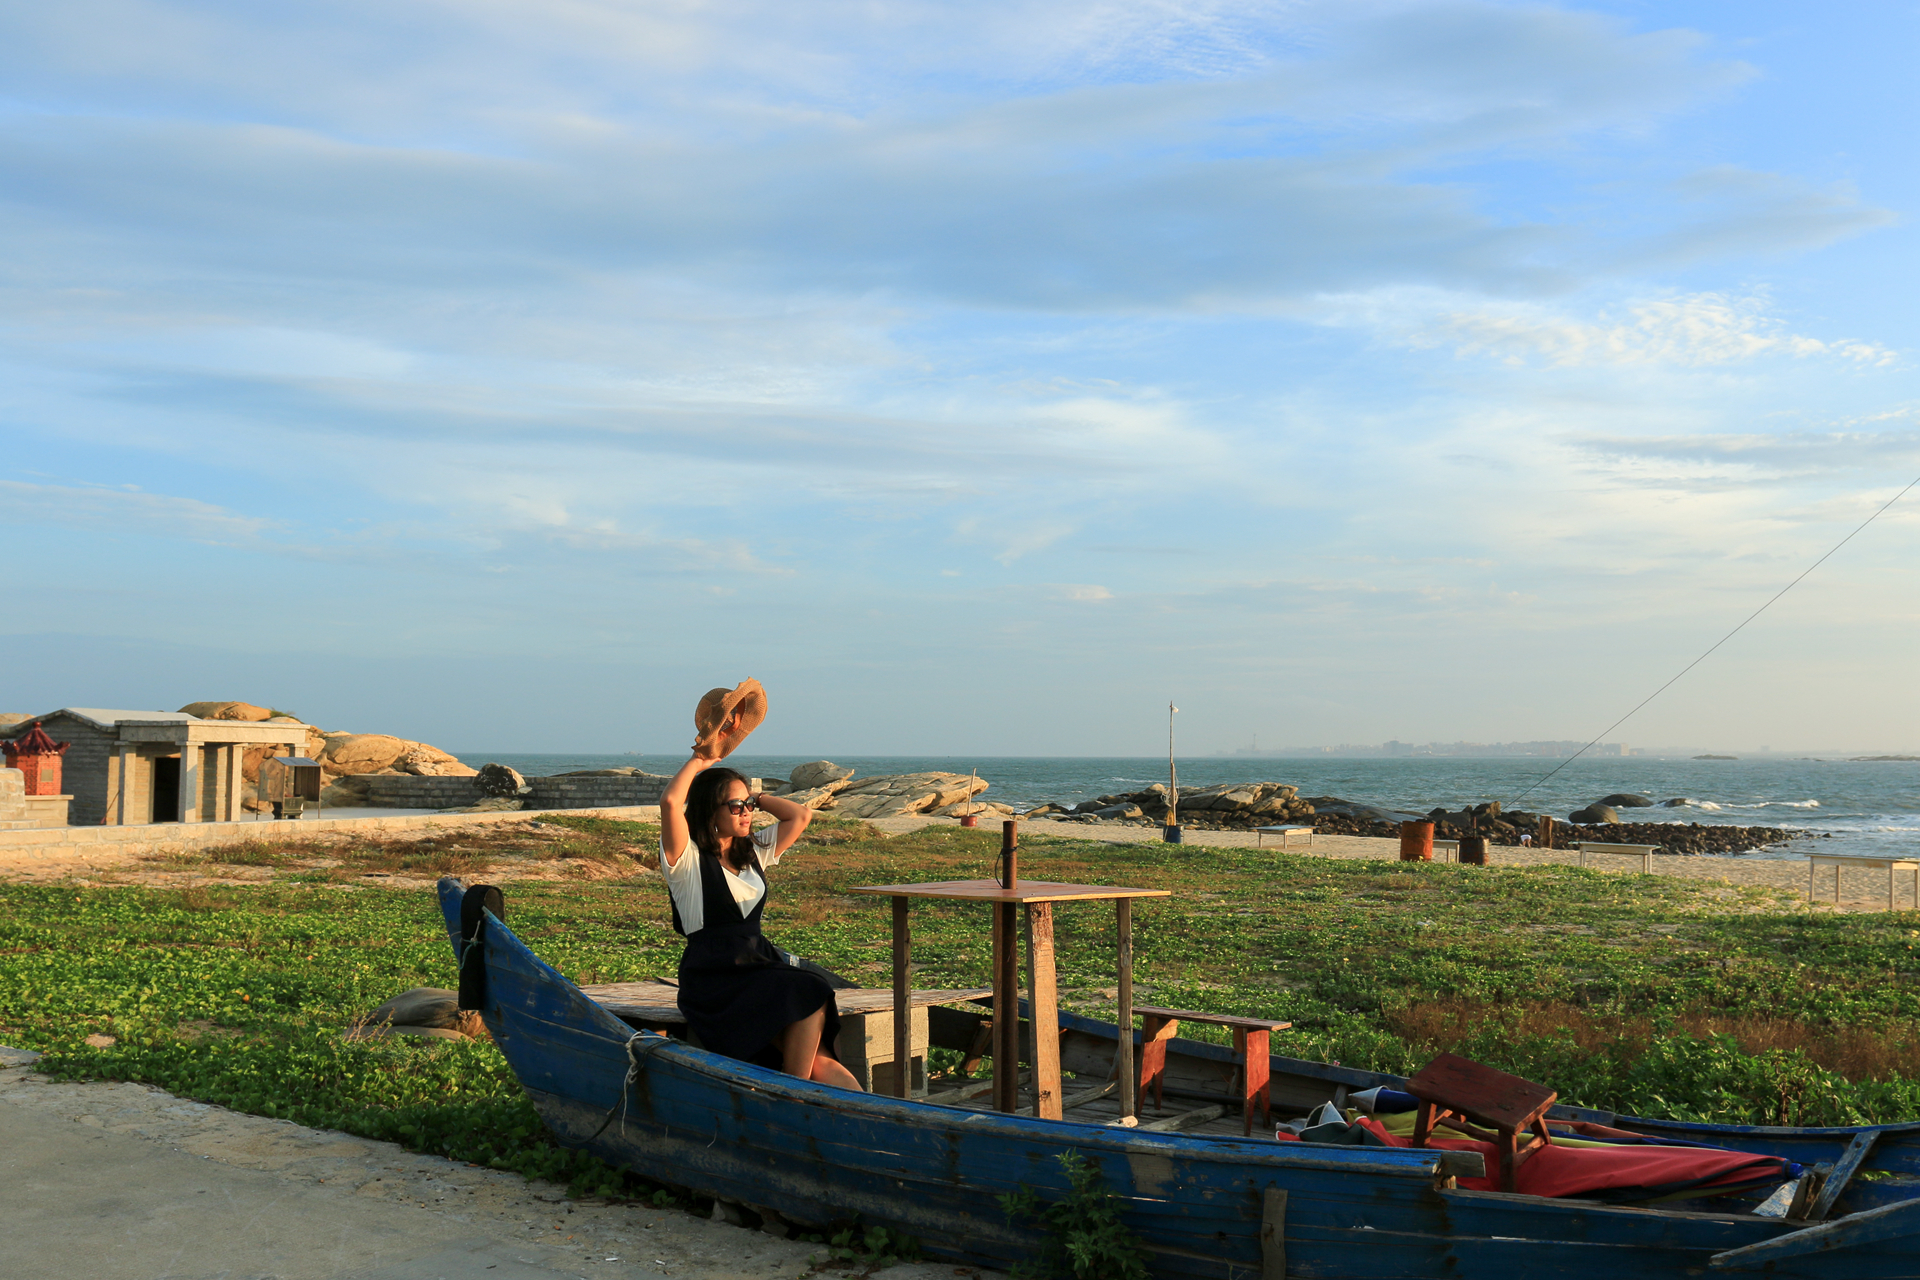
(1464, 1094)
(1285, 833)
(1838, 860)
(1006, 894)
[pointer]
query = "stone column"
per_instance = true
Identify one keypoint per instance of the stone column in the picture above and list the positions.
(189, 798)
(236, 781)
(124, 812)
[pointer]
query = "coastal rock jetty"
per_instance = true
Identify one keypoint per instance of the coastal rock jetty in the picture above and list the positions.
(1243, 806)
(1506, 827)
(1237, 806)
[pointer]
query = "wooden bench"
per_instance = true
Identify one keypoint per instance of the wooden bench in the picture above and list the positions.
(1838, 860)
(1473, 1098)
(1644, 852)
(1286, 835)
(1250, 1047)
(865, 1045)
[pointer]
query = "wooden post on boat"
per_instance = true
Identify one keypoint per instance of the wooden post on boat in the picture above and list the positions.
(1006, 980)
(1123, 1014)
(1042, 996)
(902, 1003)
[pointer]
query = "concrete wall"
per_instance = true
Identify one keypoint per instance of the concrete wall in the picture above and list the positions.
(111, 841)
(48, 811)
(86, 772)
(13, 801)
(595, 793)
(400, 791)
(404, 791)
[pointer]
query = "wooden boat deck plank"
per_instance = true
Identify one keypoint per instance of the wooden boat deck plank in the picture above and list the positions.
(656, 1002)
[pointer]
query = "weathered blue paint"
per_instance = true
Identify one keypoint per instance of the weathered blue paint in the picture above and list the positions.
(820, 1155)
(1896, 1222)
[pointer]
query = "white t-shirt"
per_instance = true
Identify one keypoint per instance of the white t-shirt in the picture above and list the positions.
(683, 878)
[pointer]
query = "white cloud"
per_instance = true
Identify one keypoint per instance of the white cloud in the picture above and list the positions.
(1701, 329)
(150, 515)
(1082, 592)
(1688, 330)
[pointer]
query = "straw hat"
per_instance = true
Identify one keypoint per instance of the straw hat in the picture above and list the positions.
(746, 702)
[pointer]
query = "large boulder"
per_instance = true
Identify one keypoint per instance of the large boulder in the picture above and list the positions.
(817, 773)
(361, 752)
(821, 797)
(226, 711)
(500, 780)
(424, 761)
(1593, 813)
(1626, 800)
(896, 795)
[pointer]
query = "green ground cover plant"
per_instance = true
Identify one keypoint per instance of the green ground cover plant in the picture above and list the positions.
(1641, 994)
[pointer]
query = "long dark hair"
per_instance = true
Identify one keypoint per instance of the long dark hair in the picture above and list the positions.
(703, 802)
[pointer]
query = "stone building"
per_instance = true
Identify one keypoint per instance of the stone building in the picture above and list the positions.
(128, 768)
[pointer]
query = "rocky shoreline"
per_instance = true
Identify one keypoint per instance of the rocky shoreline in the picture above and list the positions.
(1244, 806)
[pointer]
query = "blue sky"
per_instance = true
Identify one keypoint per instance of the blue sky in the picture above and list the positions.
(978, 377)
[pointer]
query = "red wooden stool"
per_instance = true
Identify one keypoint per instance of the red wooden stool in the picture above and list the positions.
(1250, 1048)
(1476, 1098)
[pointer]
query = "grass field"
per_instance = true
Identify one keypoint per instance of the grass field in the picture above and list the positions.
(1641, 994)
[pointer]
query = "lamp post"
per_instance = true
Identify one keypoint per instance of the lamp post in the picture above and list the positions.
(1172, 833)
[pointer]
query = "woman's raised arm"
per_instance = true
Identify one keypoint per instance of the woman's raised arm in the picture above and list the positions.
(673, 808)
(793, 819)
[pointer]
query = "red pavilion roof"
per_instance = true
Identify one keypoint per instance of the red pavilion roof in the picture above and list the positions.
(35, 742)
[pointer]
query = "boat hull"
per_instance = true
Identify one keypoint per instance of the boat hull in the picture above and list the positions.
(1204, 1207)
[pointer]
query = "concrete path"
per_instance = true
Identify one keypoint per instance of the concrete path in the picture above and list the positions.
(1862, 889)
(124, 1182)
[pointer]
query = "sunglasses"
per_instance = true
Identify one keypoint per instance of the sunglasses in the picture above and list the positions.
(737, 807)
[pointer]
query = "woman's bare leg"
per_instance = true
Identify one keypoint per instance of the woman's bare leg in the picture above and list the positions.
(829, 1071)
(800, 1053)
(800, 1044)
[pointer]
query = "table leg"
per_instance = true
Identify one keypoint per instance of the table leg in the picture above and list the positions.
(1155, 1032)
(1006, 1011)
(1123, 1014)
(1809, 879)
(902, 1002)
(1043, 999)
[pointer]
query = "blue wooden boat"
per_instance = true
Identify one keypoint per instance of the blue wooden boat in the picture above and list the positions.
(1205, 1204)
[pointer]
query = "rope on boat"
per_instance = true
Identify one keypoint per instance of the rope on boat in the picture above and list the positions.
(634, 1049)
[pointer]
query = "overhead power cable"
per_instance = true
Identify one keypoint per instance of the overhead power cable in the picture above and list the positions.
(1716, 644)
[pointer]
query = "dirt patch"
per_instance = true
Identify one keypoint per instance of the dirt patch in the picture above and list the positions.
(1858, 1053)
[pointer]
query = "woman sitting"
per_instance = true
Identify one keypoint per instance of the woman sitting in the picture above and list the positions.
(740, 996)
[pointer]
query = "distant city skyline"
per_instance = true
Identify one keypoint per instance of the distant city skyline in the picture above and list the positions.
(980, 378)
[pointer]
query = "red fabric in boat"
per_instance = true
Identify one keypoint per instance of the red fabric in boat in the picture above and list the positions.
(1585, 1171)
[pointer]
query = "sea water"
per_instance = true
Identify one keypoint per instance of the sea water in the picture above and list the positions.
(1831, 805)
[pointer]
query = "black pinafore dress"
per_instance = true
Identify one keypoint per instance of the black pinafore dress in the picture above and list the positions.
(736, 989)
